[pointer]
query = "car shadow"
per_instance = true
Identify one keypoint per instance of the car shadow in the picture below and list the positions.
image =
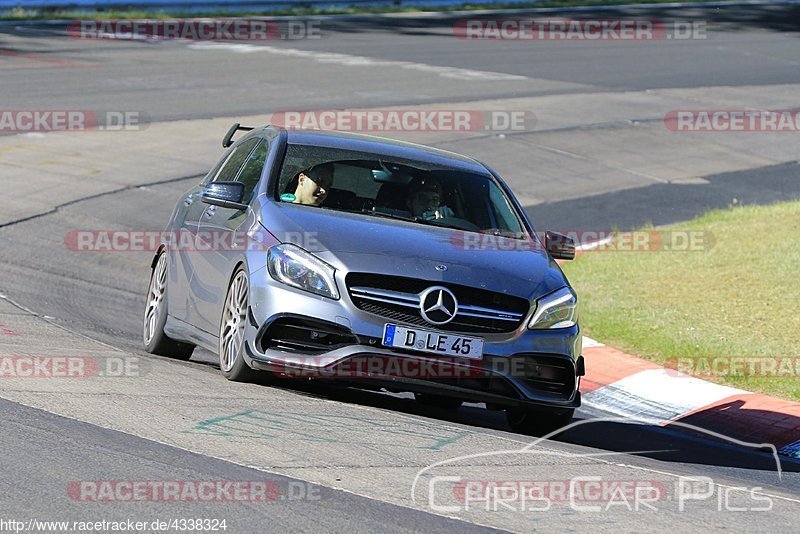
(667, 444)
(740, 418)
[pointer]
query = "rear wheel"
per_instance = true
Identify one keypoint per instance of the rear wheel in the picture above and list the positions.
(155, 317)
(440, 401)
(537, 422)
(231, 330)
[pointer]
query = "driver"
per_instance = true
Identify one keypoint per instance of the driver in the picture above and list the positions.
(313, 185)
(424, 199)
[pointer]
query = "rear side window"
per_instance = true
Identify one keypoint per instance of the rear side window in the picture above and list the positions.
(230, 169)
(213, 172)
(251, 172)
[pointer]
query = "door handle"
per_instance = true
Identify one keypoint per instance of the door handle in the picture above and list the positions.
(188, 200)
(210, 211)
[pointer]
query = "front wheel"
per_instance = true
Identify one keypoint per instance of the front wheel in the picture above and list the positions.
(231, 330)
(155, 317)
(537, 422)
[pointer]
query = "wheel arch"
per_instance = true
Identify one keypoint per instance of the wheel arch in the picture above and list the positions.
(161, 248)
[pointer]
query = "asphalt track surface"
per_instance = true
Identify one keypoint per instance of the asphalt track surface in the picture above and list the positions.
(757, 47)
(101, 297)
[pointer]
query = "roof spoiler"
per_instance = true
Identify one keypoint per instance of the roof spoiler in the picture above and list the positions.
(228, 139)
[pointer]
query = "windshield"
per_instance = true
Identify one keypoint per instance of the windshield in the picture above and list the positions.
(396, 188)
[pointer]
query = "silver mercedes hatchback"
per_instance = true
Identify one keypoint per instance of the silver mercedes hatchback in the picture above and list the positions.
(375, 263)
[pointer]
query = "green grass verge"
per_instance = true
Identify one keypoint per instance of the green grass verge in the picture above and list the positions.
(739, 297)
(308, 9)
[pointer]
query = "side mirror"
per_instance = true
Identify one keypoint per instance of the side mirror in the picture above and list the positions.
(559, 246)
(225, 195)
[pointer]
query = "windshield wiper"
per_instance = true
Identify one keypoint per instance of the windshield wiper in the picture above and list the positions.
(420, 220)
(505, 233)
(390, 215)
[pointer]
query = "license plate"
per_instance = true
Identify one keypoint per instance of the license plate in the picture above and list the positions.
(426, 341)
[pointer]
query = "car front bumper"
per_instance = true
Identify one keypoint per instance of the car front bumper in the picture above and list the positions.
(540, 368)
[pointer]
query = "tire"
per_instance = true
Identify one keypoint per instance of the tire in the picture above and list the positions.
(439, 401)
(232, 325)
(537, 422)
(155, 316)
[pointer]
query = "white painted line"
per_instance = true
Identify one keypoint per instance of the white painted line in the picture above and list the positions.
(594, 244)
(589, 342)
(361, 61)
(657, 395)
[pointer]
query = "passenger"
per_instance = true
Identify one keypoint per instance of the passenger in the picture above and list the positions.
(313, 185)
(424, 200)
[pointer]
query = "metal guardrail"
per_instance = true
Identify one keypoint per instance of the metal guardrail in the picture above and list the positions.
(204, 5)
(210, 4)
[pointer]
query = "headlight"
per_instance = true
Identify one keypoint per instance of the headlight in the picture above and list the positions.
(557, 310)
(294, 266)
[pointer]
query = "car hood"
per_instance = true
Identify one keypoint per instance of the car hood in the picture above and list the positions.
(359, 243)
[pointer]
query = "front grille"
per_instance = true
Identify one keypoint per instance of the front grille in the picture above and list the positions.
(397, 298)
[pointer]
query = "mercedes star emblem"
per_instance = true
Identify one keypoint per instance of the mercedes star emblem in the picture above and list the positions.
(438, 305)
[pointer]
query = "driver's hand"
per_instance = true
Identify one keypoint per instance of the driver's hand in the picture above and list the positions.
(439, 213)
(444, 212)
